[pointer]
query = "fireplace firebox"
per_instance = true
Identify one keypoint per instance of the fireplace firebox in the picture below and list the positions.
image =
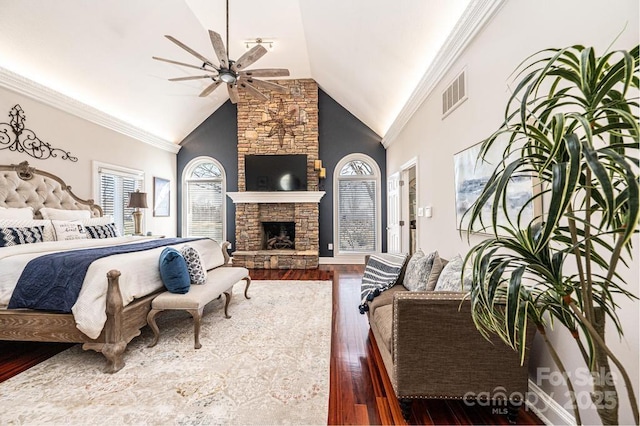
(278, 235)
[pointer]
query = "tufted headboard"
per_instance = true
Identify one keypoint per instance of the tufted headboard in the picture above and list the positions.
(25, 186)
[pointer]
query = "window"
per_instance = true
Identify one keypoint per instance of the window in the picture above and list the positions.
(357, 192)
(114, 186)
(204, 206)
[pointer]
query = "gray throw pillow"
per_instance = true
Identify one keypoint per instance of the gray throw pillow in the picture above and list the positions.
(418, 271)
(450, 278)
(438, 265)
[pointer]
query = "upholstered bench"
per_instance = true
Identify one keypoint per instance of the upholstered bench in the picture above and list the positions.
(220, 280)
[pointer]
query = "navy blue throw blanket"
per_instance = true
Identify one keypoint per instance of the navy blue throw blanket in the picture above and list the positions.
(52, 282)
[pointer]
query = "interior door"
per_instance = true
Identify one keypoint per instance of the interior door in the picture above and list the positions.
(394, 236)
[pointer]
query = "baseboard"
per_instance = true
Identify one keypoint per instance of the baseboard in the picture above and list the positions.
(342, 260)
(546, 408)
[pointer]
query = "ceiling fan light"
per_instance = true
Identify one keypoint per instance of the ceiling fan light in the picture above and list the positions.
(228, 78)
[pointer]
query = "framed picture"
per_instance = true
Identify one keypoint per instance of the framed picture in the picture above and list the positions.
(161, 192)
(472, 174)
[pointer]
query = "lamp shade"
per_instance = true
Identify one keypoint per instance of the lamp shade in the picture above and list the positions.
(138, 200)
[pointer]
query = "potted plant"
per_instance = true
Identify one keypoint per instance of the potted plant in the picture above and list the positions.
(572, 124)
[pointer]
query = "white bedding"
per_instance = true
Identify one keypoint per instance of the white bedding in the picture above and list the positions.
(140, 274)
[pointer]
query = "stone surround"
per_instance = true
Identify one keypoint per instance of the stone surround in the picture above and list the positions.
(300, 107)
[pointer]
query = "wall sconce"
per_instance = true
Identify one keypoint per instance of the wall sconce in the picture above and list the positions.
(137, 200)
(322, 173)
(258, 41)
(317, 165)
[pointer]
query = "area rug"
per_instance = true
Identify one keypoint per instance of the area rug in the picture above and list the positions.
(267, 364)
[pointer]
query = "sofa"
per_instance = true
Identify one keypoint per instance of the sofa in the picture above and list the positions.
(431, 348)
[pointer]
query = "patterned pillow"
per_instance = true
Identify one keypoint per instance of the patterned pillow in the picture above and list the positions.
(48, 235)
(102, 231)
(194, 264)
(451, 277)
(418, 271)
(381, 273)
(66, 231)
(26, 235)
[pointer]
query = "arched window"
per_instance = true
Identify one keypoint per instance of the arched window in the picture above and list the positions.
(204, 204)
(357, 205)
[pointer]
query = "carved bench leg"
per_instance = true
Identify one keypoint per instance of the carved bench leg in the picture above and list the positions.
(246, 288)
(151, 322)
(227, 300)
(405, 407)
(197, 319)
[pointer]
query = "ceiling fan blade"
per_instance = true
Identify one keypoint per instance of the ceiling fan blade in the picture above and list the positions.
(210, 88)
(193, 77)
(255, 53)
(267, 85)
(233, 93)
(253, 91)
(267, 72)
(190, 50)
(178, 63)
(218, 47)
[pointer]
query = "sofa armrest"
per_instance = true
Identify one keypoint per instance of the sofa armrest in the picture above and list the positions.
(439, 353)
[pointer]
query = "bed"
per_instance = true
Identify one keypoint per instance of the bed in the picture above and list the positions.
(120, 290)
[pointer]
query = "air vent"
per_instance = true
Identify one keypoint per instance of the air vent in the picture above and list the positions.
(454, 94)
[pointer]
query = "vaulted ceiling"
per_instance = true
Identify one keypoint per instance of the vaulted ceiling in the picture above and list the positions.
(368, 55)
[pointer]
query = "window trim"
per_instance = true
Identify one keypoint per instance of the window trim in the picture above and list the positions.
(377, 175)
(98, 166)
(186, 172)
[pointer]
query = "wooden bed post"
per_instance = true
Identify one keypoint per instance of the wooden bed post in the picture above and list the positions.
(114, 344)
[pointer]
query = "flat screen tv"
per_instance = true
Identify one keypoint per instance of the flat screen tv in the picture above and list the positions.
(275, 172)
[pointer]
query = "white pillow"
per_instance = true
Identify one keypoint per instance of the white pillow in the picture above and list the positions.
(95, 221)
(23, 213)
(48, 234)
(60, 214)
(68, 230)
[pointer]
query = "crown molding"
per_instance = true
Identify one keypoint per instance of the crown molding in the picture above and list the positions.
(39, 92)
(474, 18)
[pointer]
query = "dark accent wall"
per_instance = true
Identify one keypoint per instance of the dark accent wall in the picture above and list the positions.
(340, 134)
(216, 137)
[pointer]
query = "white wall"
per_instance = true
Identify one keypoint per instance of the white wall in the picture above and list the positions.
(90, 142)
(519, 29)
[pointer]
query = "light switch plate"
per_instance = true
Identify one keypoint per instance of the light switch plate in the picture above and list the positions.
(428, 212)
(420, 211)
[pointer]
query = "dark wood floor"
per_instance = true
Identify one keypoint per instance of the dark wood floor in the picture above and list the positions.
(360, 391)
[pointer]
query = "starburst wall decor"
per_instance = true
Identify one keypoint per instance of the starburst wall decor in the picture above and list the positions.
(282, 122)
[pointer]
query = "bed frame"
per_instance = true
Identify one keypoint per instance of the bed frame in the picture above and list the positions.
(23, 186)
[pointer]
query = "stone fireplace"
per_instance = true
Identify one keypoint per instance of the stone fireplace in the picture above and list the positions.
(282, 215)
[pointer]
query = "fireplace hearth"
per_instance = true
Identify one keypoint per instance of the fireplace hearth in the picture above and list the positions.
(278, 235)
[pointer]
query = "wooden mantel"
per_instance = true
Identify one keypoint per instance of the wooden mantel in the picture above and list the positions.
(276, 197)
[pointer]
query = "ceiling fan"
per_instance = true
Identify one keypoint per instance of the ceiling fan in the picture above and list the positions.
(232, 73)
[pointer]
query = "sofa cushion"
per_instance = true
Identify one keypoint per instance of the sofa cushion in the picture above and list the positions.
(438, 265)
(419, 270)
(382, 320)
(451, 277)
(380, 273)
(386, 298)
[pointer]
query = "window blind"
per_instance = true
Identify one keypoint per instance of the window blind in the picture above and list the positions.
(357, 215)
(205, 208)
(115, 188)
